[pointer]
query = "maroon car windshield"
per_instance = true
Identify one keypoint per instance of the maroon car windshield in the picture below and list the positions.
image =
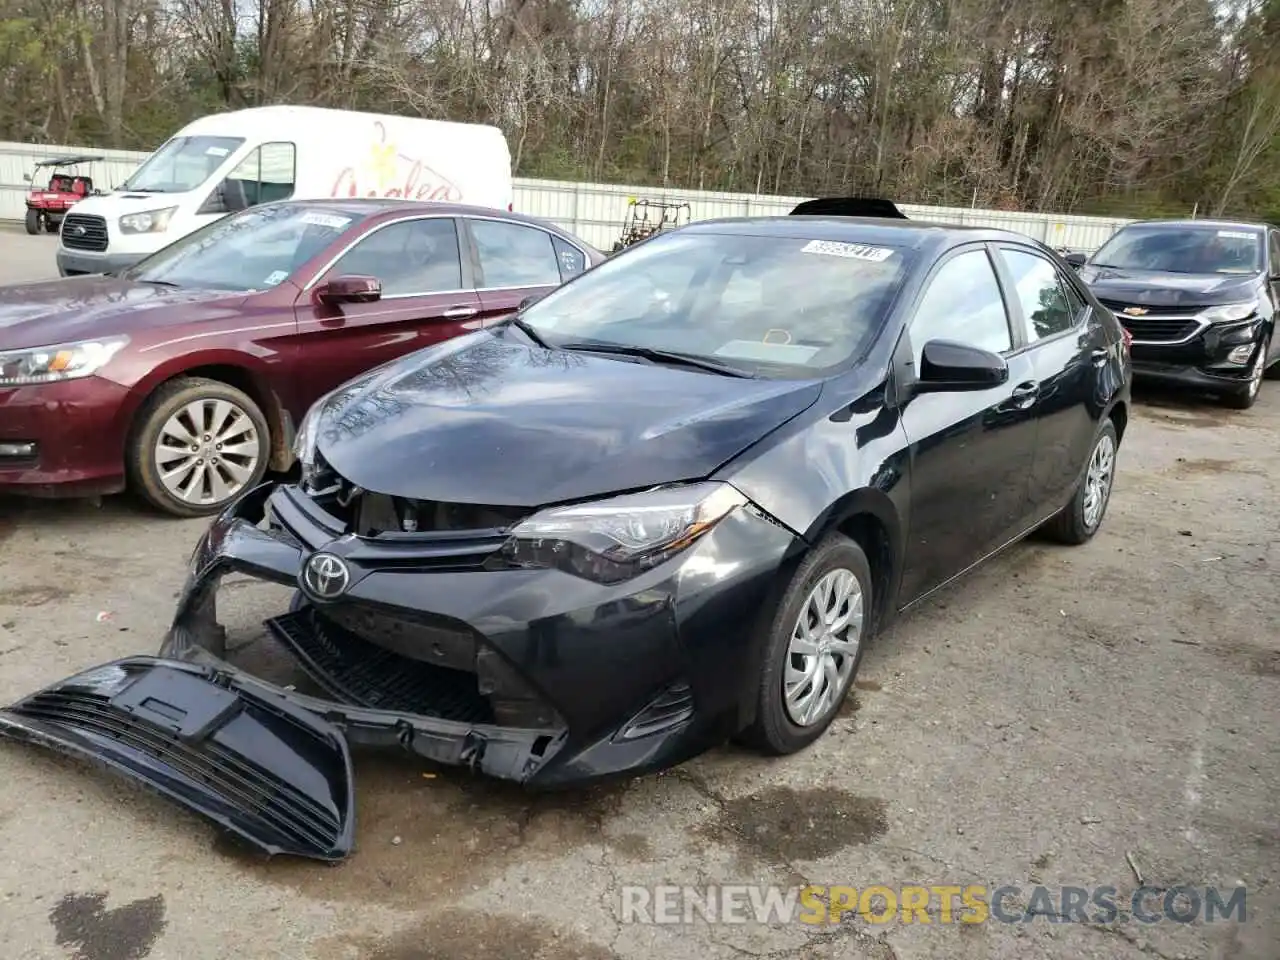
(255, 249)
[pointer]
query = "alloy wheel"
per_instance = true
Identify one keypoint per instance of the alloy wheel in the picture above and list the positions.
(823, 650)
(207, 451)
(1259, 370)
(1098, 480)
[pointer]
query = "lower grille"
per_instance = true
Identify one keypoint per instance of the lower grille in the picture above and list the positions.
(1158, 329)
(82, 231)
(297, 819)
(365, 675)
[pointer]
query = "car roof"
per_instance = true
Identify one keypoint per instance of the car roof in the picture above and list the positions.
(378, 206)
(913, 234)
(1188, 222)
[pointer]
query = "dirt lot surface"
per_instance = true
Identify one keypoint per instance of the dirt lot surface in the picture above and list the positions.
(1053, 716)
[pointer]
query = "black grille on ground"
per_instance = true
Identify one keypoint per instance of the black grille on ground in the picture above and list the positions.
(257, 792)
(1158, 329)
(82, 231)
(671, 707)
(1178, 310)
(365, 675)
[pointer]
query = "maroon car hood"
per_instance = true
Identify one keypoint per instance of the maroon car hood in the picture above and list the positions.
(78, 308)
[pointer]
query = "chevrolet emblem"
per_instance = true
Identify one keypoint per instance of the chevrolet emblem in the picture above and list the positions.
(1136, 311)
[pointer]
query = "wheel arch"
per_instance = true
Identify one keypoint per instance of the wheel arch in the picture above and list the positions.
(234, 370)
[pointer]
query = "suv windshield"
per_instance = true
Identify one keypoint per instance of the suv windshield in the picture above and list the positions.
(775, 306)
(1183, 249)
(251, 250)
(181, 164)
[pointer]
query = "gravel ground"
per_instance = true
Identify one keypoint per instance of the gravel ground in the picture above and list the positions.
(1053, 716)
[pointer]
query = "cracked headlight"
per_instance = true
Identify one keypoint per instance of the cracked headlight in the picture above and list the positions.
(612, 540)
(67, 361)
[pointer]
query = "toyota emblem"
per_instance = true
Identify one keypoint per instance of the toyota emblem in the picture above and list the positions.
(326, 576)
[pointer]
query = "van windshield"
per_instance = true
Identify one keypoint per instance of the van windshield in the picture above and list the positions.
(255, 249)
(182, 164)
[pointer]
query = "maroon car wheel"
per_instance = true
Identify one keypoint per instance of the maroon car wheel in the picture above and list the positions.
(199, 444)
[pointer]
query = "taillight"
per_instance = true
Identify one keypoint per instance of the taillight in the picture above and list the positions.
(1128, 338)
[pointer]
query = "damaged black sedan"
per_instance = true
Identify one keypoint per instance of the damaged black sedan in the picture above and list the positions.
(667, 505)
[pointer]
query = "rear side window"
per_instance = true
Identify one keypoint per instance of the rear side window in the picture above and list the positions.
(515, 255)
(1046, 306)
(963, 303)
(572, 260)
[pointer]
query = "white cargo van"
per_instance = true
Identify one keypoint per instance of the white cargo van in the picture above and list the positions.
(228, 161)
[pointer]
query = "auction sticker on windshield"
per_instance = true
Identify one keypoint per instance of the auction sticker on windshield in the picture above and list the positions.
(1236, 234)
(325, 220)
(850, 251)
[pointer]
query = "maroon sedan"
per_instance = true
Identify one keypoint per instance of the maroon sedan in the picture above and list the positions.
(185, 376)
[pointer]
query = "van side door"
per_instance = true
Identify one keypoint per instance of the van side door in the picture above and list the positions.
(427, 296)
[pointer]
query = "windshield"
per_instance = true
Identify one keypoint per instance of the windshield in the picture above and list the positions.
(1183, 249)
(257, 248)
(181, 164)
(774, 306)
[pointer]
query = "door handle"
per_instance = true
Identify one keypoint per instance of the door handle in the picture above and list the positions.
(460, 313)
(1025, 394)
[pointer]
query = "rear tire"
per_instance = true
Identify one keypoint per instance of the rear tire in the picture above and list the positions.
(33, 222)
(1080, 519)
(838, 565)
(196, 446)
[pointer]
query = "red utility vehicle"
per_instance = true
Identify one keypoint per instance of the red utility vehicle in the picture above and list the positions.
(185, 375)
(47, 205)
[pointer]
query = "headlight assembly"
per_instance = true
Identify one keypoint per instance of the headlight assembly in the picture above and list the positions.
(152, 221)
(1229, 312)
(612, 540)
(67, 361)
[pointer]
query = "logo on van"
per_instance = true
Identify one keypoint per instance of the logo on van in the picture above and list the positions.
(390, 173)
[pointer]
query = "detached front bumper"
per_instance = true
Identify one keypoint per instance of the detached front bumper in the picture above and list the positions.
(535, 676)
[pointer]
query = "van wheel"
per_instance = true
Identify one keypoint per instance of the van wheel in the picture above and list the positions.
(813, 648)
(33, 222)
(198, 444)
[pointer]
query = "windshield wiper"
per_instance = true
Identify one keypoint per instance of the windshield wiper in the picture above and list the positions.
(654, 355)
(156, 283)
(527, 329)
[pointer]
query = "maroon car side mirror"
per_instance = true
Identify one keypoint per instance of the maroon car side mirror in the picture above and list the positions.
(352, 289)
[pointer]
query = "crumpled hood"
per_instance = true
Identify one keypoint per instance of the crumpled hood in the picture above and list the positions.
(484, 419)
(1168, 289)
(78, 308)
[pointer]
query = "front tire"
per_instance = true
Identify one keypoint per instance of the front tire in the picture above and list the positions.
(813, 648)
(1080, 519)
(32, 222)
(198, 445)
(1247, 396)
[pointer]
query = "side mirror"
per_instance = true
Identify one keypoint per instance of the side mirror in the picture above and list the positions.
(529, 301)
(26, 178)
(351, 289)
(1076, 260)
(946, 366)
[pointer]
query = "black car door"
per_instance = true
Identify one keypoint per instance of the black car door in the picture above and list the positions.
(1272, 281)
(970, 451)
(1070, 353)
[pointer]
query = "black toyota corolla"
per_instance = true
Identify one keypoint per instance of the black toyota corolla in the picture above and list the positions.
(666, 505)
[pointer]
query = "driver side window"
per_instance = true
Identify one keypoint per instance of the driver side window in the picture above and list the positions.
(963, 303)
(410, 258)
(264, 176)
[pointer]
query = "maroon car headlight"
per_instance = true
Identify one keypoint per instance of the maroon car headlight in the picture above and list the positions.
(63, 361)
(612, 540)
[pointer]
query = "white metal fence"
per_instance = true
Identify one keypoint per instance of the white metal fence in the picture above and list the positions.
(593, 211)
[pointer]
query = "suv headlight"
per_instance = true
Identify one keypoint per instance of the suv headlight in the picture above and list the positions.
(152, 221)
(66, 361)
(1229, 312)
(612, 540)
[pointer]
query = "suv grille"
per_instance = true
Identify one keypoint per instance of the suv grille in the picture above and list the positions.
(82, 231)
(1158, 329)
